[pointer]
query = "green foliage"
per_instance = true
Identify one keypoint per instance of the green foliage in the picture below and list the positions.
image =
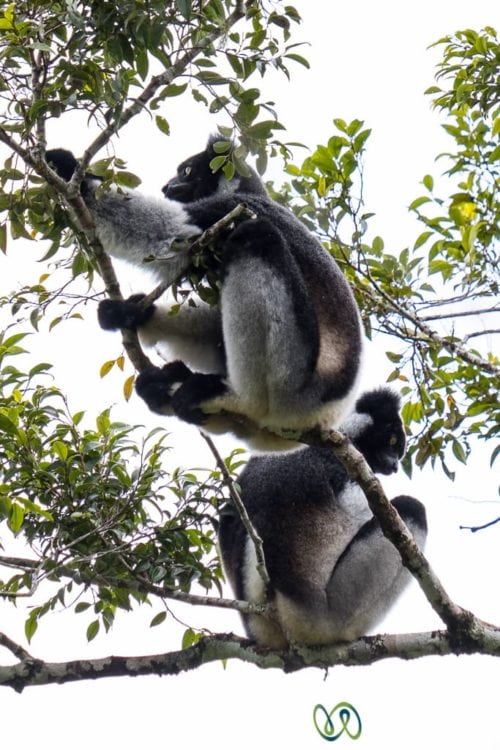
(471, 61)
(106, 525)
(421, 293)
(102, 516)
(110, 61)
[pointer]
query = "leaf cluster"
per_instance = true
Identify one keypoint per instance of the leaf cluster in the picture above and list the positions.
(101, 515)
(419, 294)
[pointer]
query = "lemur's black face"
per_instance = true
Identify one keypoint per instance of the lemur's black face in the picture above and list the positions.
(382, 439)
(194, 179)
(383, 445)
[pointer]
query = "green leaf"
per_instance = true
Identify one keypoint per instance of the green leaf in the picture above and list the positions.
(175, 89)
(6, 425)
(190, 638)
(92, 630)
(184, 8)
(298, 59)
(418, 202)
(127, 179)
(16, 518)
(30, 628)
(158, 619)
(459, 452)
(217, 162)
(3, 238)
(61, 449)
(428, 182)
(393, 357)
(162, 124)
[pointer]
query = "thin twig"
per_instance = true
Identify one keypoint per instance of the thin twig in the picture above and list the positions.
(245, 518)
(239, 213)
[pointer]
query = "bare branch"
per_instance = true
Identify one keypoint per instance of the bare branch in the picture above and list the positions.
(18, 651)
(460, 313)
(397, 532)
(486, 332)
(245, 518)
(450, 344)
(480, 528)
(367, 650)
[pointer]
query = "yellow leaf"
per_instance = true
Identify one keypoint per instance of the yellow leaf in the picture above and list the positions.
(128, 387)
(106, 367)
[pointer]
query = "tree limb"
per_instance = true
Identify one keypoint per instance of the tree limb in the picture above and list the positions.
(242, 511)
(367, 650)
(136, 583)
(457, 619)
(448, 343)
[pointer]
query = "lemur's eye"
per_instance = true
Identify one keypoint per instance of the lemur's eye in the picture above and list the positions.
(393, 440)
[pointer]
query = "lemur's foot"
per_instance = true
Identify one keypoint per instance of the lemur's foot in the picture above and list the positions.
(157, 385)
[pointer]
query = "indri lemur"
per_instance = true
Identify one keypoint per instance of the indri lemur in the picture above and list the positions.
(333, 575)
(283, 347)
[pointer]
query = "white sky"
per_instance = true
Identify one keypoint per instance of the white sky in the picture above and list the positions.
(370, 62)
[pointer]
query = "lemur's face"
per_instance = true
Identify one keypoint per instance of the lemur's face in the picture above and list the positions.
(383, 445)
(194, 179)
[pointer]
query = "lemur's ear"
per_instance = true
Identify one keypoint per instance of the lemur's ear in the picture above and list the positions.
(63, 162)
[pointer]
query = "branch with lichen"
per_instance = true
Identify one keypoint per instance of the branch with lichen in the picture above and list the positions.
(30, 672)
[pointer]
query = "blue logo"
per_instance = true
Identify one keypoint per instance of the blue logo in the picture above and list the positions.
(342, 719)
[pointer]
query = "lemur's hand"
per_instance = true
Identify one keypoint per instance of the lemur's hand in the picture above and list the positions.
(129, 313)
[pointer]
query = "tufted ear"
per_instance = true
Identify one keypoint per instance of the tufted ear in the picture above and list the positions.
(379, 403)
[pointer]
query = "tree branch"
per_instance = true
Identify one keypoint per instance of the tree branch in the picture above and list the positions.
(457, 619)
(163, 79)
(363, 651)
(136, 583)
(239, 213)
(451, 345)
(460, 313)
(16, 649)
(242, 511)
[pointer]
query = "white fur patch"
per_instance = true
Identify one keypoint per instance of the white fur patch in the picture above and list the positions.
(355, 424)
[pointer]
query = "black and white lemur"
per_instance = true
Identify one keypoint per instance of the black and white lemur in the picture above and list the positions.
(333, 575)
(283, 347)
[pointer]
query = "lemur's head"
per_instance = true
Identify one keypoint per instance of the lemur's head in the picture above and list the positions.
(376, 429)
(195, 178)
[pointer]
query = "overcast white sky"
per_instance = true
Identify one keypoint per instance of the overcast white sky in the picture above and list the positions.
(369, 60)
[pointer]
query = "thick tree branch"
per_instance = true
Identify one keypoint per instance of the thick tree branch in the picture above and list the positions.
(16, 649)
(367, 650)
